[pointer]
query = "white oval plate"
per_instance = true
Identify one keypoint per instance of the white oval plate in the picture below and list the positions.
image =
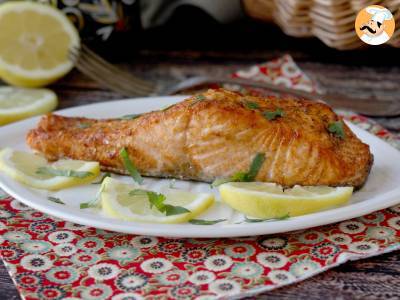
(381, 190)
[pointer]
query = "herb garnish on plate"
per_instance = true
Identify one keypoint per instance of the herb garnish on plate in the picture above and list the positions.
(337, 129)
(55, 200)
(205, 222)
(251, 220)
(130, 167)
(272, 115)
(157, 200)
(249, 176)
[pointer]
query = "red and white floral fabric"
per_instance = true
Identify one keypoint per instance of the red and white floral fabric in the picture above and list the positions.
(49, 258)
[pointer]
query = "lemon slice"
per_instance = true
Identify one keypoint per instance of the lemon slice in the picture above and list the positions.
(34, 170)
(117, 202)
(34, 43)
(18, 103)
(269, 200)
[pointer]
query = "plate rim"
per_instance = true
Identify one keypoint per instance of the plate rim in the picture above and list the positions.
(188, 230)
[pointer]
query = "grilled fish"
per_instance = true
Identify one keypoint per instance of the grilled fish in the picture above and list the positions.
(215, 135)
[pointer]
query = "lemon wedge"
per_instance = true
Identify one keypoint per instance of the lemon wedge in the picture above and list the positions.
(34, 43)
(19, 103)
(269, 200)
(131, 202)
(34, 170)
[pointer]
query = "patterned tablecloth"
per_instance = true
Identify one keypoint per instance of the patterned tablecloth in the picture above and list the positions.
(49, 258)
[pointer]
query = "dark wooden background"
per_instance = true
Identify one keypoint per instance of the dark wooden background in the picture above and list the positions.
(196, 45)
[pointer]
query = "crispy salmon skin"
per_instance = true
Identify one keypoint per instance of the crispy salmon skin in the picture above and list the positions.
(216, 134)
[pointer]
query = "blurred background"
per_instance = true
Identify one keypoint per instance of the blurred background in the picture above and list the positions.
(170, 41)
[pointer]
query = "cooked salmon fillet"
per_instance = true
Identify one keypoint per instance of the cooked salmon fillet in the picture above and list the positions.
(215, 135)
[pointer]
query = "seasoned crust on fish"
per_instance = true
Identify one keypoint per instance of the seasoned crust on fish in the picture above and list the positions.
(215, 135)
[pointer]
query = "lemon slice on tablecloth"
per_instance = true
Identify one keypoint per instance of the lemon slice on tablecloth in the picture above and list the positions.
(34, 43)
(269, 200)
(34, 170)
(131, 202)
(20, 103)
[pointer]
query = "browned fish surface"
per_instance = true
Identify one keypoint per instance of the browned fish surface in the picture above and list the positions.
(216, 135)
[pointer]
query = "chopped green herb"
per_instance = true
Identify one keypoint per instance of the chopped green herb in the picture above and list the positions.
(250, 220)
(239, 177)
(284, 217)
(63, 173)
(138, 192)
(130, 167)
(130, 117)
(271, 115)
(171, 210)
(255, 167)
(84, 205)
(94, 202)
(55, 200)
(157, 200)
(337, 129)
(205, 222)
(83, 125)
(102, 178)
(251, 105)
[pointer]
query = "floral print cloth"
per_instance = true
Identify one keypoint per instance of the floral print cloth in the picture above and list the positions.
(49, 258)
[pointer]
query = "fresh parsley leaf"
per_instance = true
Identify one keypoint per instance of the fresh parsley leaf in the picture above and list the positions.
(271, 115)
(171, 210)
(157, 200)
(130, 117)
(55, 200)
(138, 192)
(337, 129)
(205, 222)
(284, 217)
(239, 177)
(63, 173)
(250, 220)
(255, 167)
(84, 205)
(251, 105)
(102, 178)
(130, 167)
(83, 125)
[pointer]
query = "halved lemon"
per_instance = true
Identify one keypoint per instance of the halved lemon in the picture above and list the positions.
(34, 170)
(269, 200)
(34, 43)
(118, 202)
(19, 103)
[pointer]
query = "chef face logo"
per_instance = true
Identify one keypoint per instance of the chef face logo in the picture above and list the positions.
(375, 25)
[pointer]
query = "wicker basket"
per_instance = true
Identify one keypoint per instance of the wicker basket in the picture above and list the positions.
(332, 21)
